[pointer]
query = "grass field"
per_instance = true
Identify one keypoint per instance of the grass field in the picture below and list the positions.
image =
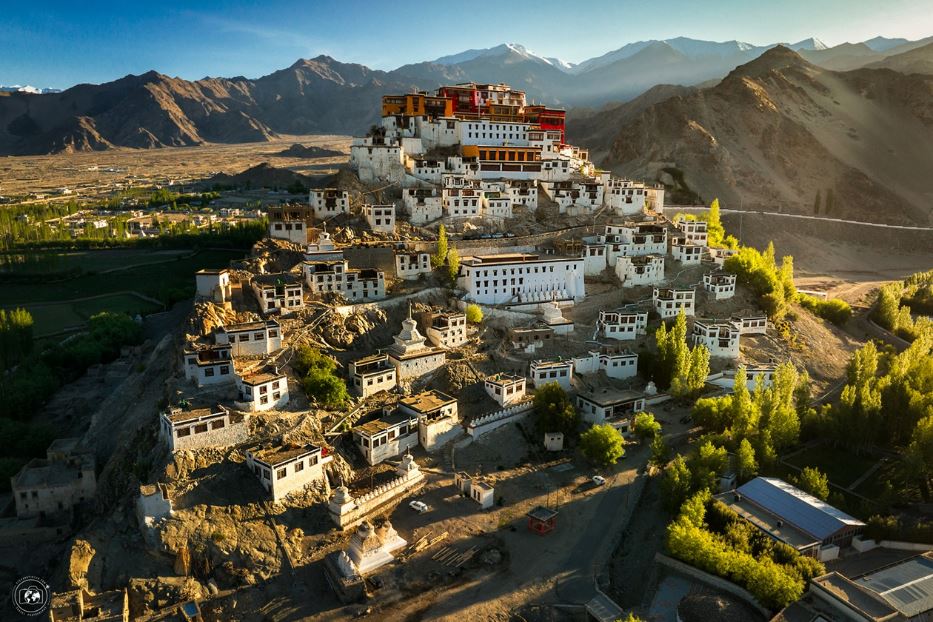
(842, 467)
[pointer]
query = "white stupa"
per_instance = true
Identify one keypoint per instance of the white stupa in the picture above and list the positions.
(555, 319)
(409, 354)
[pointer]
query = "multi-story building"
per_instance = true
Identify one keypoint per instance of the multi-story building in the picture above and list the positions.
(372, 374)
(622, 324)
(497, 206)
(287, 469)
(410, 266)
(323, 249)
(423, 205)
(523, 192)
(720, 284)
(574, 197)
(207, 365)
(378, 158)
(752, 324)
(250, 338)
(521, 278)
(447, 330)
(437, 417)
(462, 202)
(380, 218)
(511, 162)
(214, 285)
(686, 252)
(668, 302)
(195, 428)
(429, 170)
(611, 405)
(388, 437)
(493, 133)
(625, 197)
(634, 239)
(278, 293)
(57, 483)
(290, 222)
(721, 337)
(639, 270)
(544, 372)
(506, 389)
(695, 231)
(354, 284)
(329, 202)
(261, 391)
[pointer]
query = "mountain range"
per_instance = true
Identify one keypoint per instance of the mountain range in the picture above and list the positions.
(323, 95)
(779, 131)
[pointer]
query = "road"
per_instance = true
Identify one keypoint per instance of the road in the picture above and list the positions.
(697, 208)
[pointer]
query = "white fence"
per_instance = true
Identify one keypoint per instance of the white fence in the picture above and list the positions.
(487, 423)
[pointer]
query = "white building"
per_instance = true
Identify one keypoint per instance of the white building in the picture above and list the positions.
(686, 252)
(380, 218)
(695, 231)
(423, 205)
(426, 170)
(262, 391)
(480, 491)
(506, 389)
(214, 285)
(640, 270)
(615, 363)
(323, 249)
(721, 337)
(752, 324)
(409, 354)
(329, 202)
(543, 372)
(250, 338)
(437, 417)
(447, 330)
(197, 428)
(645, 238)
(209, 364)
(497, 206)
(521, 278)
(292, 230)
(668, 302)
(386, 438)
(523, 192)
(410, 266)
(48, 486)
(720, 284)
(278, 293)
(493, 133)
(610, 404)
(287, 469)
(354, 284)
(462, 202)
(624, 196)
(377, 159)
(372, 374)
(574, 197)
(624, 325)
(720, 255)
(554, 318)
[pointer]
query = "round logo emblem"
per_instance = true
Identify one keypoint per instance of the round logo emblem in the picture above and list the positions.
(31, 596)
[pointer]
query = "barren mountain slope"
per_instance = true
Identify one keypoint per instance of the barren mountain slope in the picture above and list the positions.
(918, 60)
(778, 129)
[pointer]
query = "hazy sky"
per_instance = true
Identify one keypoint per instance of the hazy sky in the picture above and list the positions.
(58, 44)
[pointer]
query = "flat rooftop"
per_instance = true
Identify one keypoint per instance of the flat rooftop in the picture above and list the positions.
(232, 328)
(180, 415)
(279, 454)
(41, 473)
(503, 379)
(282, 278)
(768, 522)
(907, 586)
(427, 401)
(609, 397)
(508, 258)
(261, 378)
(376, 426)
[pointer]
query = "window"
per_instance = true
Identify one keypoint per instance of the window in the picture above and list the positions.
(201, 427)
(280, 474)
(299, 466)
(182, 432)
(217, 425)
(209, 372)
(224, 370)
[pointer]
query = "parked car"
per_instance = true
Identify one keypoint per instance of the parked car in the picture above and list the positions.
(599, 480)
(418, 506)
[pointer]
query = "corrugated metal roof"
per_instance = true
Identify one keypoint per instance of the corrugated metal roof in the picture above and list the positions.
(908, 586)
(793, 505)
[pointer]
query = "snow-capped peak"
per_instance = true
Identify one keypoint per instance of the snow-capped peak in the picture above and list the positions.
(18, 88)
(808, 44)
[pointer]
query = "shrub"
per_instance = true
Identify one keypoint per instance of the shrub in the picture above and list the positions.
(833, 310)
(602, 445)
(474, 314)
(645, 426)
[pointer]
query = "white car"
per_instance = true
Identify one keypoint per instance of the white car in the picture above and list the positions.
(418, 506)
(598, 480)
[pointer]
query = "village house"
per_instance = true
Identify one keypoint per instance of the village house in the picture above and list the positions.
(610, 405)
(423, 205)
(388, 437)
(752, 324)
(380, 218)
(195, 428)
(447, 330)
(694, 231)
(668, 302)
(462, 202)
(283, 470)
(686, 252)
(720, 284)
(496, 206)
(530, 338)
(211, 364)
(476, 489)
(506, 389)
(250, 338)
(372, 374)
(721, 337)
(753, 375)
(622, 324)
(376, 158)
(354, 284)
(329, 202)
(521, 278)
(720, 255)
(292, 230)
(624, 196)
(640, 270)
(543, 372)
(523, 192)
(437, 417)
(278, 293)
(56, 483)
(83, 606)
(409, 354)
(639, 238)
(426, 170)
(261, 391)
(410, 266)
(213, 285)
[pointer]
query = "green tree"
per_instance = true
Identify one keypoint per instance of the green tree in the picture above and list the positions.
(676, 483)
(553, 410)
(715, 233)
(645, 426)
(453, 264)
(811, 480)
(602, 445)
(660, 452)
(474, 314)
(745, 465)
(326, 388)
(920, 456)
(673, 354)
(440, 255)
(707, 465)
(886, 308)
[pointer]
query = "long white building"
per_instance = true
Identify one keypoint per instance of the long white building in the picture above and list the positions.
(521, 278)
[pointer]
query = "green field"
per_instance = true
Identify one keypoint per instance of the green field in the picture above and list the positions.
(53, 262)
(841, 466)
(55, 305)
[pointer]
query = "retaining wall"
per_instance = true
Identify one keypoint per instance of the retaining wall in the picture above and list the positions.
(377, 498)
(487, 423)
(713, 581)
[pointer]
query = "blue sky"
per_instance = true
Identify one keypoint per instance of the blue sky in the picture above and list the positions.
(58, 44)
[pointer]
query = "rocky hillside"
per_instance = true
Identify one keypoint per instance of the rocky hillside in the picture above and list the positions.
(918, 60)
(778, 130)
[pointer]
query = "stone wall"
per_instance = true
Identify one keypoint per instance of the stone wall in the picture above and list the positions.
(347, 511)
(231, 434)
(487, 423)
(711, 580)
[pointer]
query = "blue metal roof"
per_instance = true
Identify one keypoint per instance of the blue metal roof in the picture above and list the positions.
(794, 506)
